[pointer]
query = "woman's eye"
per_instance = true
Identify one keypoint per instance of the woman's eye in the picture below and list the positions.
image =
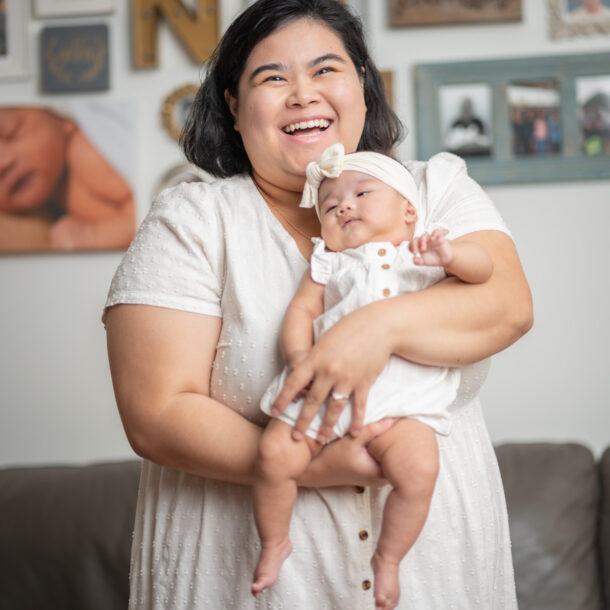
(325, 70)
(274, 78)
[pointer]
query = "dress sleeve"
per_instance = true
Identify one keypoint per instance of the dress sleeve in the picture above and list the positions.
(321, 262)
(176, 257)
(452, 199)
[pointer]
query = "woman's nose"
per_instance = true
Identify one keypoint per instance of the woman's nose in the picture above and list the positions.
(303, 93)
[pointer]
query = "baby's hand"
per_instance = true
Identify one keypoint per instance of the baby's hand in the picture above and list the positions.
(432, 249)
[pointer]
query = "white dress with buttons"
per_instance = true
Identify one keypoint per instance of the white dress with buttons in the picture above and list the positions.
(216, 249)
(354, 278)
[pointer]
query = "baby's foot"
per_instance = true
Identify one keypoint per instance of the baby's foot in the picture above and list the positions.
(387, 587)
(268, 567)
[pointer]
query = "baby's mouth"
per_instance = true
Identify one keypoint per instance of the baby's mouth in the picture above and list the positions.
(21, 183)
(307, 127)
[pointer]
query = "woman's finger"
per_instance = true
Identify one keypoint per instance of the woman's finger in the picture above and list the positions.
(336, 402)
(316, 396)
(359, 398)
(296, 385)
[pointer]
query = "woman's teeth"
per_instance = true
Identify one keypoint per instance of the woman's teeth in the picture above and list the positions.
(322, 124)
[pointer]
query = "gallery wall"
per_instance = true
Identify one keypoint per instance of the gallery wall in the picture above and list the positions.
(57, 404)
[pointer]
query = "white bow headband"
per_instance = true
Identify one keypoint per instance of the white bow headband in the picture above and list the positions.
(333, 161)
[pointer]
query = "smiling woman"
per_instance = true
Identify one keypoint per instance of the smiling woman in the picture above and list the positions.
(193, 319)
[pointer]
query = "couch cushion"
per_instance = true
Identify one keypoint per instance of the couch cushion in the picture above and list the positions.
(604, 468)
(65, 535)
(552, 493)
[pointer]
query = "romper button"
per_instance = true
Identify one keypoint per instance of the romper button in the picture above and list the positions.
(386, 292)
(381, 252)
(358, 489)
(363, 535)
(366, 585)
(385, 266)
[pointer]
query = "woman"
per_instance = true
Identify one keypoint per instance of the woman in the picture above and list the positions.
(193, 322)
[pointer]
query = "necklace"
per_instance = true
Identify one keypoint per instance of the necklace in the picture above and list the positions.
(307, 236)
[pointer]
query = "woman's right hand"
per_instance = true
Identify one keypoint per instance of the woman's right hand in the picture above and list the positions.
(347, 461)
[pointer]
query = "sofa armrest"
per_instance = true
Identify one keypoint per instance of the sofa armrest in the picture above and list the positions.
(604, 470)
(65, 535)
(552, 493)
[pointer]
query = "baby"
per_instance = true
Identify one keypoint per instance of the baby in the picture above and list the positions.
(367, 204)
(57, 191)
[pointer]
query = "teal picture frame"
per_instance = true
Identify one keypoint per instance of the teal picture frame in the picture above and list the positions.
(503, 164)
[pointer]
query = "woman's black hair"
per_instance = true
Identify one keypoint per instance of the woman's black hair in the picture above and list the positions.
(209, 138)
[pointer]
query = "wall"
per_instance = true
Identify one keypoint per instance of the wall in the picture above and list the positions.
(57, 401)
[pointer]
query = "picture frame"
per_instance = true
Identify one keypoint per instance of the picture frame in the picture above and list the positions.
(71, 8)
(569, 18)
(176, 107)
(14, 60)
(544, 118)
(449, 12)
(74, 58)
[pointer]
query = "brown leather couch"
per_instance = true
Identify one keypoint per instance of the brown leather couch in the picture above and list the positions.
(65, 532)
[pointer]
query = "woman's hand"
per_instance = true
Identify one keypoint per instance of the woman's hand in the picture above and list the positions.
(345, 360)
(347, 461)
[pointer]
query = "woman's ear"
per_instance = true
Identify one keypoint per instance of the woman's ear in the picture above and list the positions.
(232, 104)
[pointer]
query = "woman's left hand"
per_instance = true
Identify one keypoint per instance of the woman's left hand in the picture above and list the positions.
(346, 360)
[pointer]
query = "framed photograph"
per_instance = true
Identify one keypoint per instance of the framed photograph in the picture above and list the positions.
(70, 8)
(578, 17)
(13, 39)
(518, 120)
(74, 58)
(416, 12)
(70, 185)
(176, 108)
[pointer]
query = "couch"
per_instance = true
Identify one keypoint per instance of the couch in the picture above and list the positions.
(65, 531)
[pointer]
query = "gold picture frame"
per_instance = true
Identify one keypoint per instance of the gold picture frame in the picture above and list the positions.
(176, 107)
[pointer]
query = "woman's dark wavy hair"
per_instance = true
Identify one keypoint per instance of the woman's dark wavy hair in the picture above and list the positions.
(209, 139)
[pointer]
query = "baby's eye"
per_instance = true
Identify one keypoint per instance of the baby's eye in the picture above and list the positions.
(330, 209)
(363, 193)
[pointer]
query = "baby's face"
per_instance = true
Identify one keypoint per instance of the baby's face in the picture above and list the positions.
(33, 144)
(356, 208)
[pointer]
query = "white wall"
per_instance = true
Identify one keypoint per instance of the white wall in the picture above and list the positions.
(56, 398)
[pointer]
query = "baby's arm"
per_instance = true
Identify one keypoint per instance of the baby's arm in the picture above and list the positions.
(466, 260)
(296, 335)
(100, 208)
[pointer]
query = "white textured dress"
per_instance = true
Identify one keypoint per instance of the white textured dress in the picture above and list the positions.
(354, 278)
(216, 249)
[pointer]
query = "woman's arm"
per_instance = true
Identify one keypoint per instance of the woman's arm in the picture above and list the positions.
(448, 324)
(160, 361)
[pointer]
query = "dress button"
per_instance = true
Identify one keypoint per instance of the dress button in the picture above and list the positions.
(381, 252)
(363, 535)
(386, 292)
(366, 585)
(358, 489)
(385, 266)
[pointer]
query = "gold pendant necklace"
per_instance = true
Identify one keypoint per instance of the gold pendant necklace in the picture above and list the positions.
(279, 213)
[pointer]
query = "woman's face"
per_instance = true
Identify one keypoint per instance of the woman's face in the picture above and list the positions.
(299, 93)
(32, 157)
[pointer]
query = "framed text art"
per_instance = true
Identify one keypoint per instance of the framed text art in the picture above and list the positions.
(13, 39)
(579, 17)
(518, 120)
(74, 58)
(438, 12)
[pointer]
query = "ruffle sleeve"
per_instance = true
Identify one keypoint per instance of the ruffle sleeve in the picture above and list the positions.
(321, 262)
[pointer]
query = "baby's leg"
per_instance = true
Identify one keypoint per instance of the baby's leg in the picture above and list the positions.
(408, 455)
(280, 462)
